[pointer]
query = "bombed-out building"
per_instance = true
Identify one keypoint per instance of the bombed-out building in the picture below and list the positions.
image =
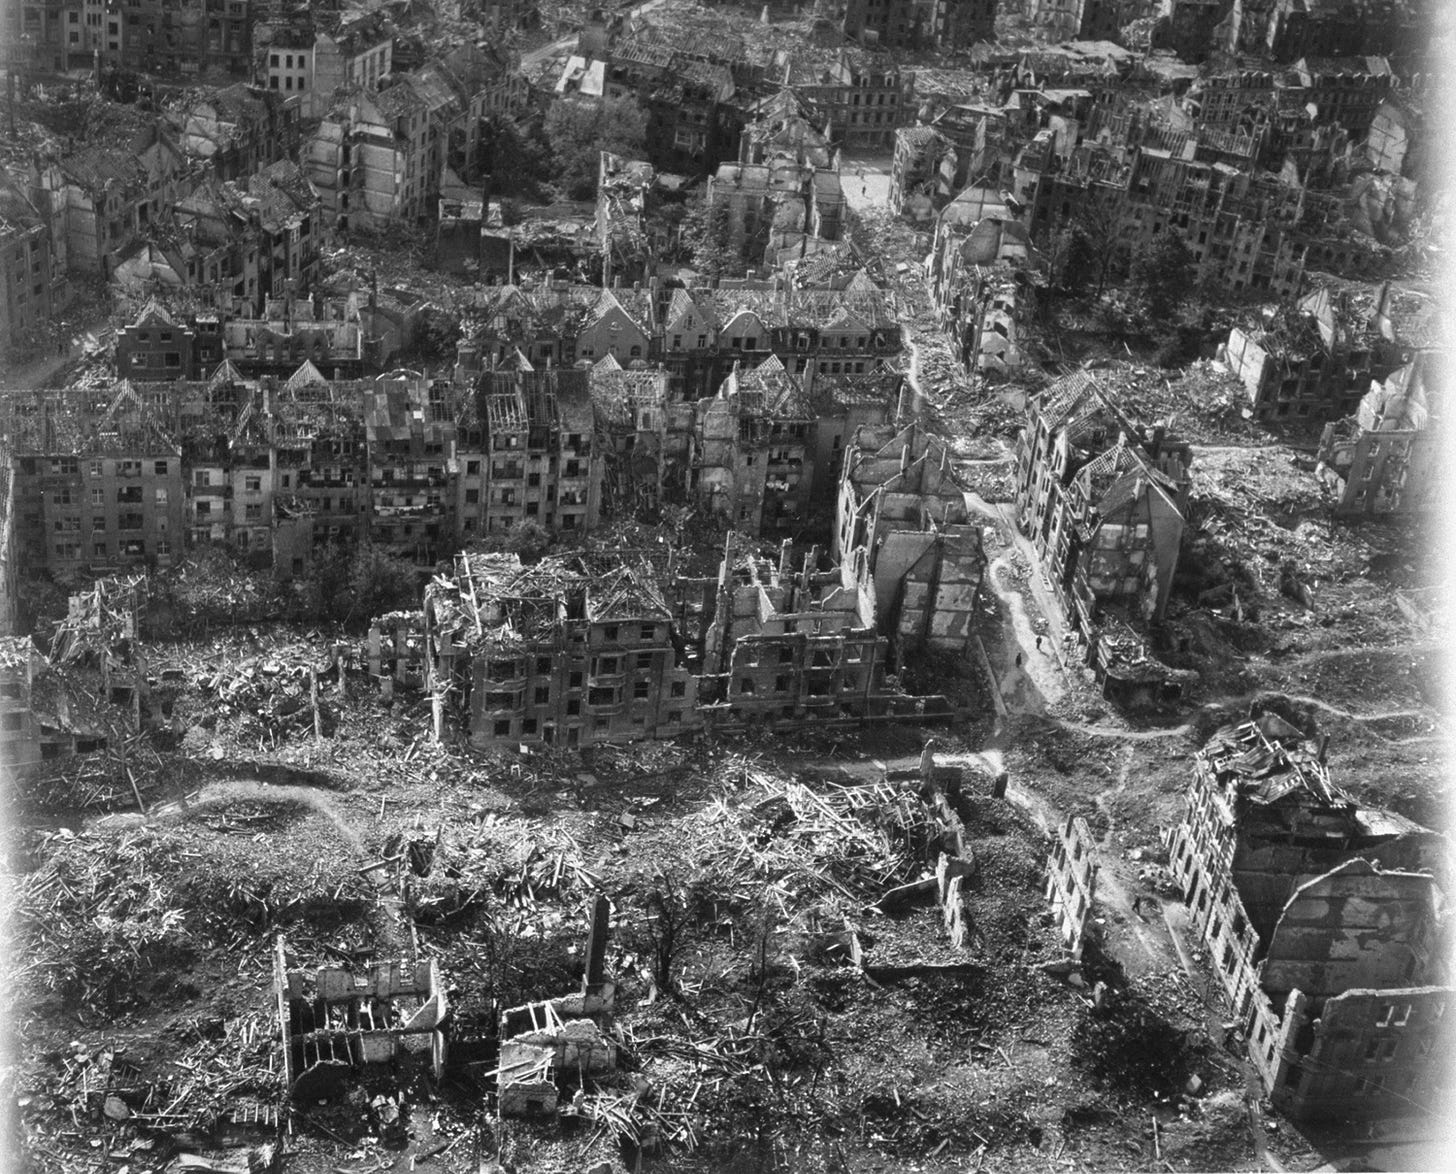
(1327, 926)
(788, 646)
(409, 430)
(766, 451)
(568, 651)
(1103, 502)
(900, 503)
(1385, 458)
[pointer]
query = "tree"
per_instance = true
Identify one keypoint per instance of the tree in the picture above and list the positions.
(353, 586)
(1091, 244)
(1162, 274)
(578, 132)
(513, 159)
(1074, 259)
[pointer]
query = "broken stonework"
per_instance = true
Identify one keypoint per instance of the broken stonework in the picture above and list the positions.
(1072, 881)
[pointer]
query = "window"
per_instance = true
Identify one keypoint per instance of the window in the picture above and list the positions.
(98, 497)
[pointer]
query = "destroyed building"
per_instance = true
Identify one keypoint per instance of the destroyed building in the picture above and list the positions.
(1103, 502)
(1384, 459)
(339, 1024)
(788, 646)
(766, 451)
(566, 651)
(98, 479)
(922, 171)
(900, 502)
(1314, 360)
(409, 432)
(25, 268)
(1327, 926)
(542, 464)
(982, 279)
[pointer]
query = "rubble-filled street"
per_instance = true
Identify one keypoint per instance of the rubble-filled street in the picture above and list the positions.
(687, 587)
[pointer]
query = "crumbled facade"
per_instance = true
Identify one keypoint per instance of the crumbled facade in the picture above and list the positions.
(1103, 502)
(1326, 923)
(900, 503)
(1384, 459)
(340, 1024)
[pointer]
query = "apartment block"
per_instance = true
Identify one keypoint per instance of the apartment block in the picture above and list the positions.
(1103, 502)
(792, 645)
(901, 504)
(542, 464)
(237, 130)
(1314, 360)
(321, 493)
(98, 480)
(767, 450)
(1383, 460)
(319, 60)
(409, 434)
(920, 24)
(981, 283)
(26, 277)
(862, 97)
(922, 171)
(569, 651)
(112, 194)
(1325, 923)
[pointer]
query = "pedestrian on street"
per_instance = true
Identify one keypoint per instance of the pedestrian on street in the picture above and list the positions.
(1038, 643)
(1018, 660)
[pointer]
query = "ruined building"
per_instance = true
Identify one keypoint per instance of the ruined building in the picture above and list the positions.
(1326, 922)
(1385, 459)
(787, 647)
(568, 651)
(1103, 503)
(1313, 360)
(340, 1025)
(901, 504)
(572, 651)
(766, 451)
(541, 464)
(43, 714)
(98, 479)
(409, 431)
(982, 281)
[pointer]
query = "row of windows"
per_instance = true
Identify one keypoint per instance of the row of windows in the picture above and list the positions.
(129, 548)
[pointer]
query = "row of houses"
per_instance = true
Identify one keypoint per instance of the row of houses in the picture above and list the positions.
(283, 466)
(583, 649)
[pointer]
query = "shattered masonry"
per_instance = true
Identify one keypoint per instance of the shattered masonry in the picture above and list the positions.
(337, 1022)
(1102, 500)
(1072, 880)
(1325, 922)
